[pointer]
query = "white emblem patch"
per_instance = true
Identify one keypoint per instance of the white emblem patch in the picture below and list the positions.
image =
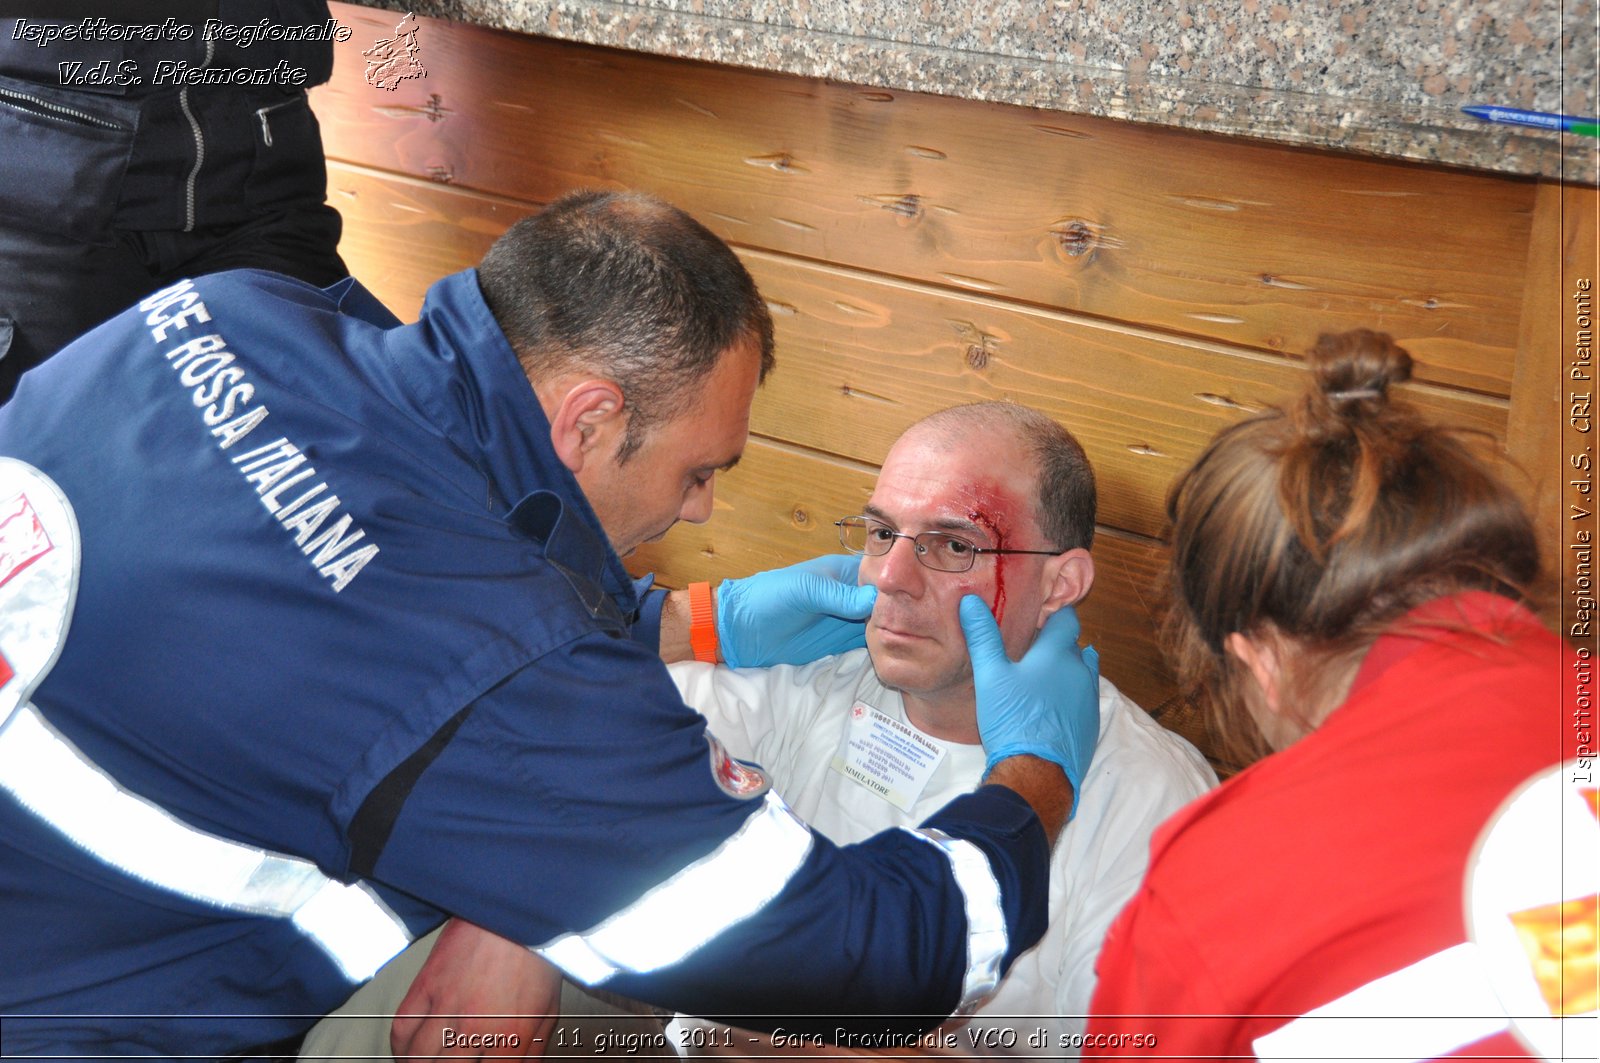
(734, 777)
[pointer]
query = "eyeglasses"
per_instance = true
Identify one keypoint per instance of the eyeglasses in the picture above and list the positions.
(939, 551)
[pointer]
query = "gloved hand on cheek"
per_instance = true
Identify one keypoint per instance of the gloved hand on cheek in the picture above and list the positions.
(793, 615)
(1046, 705)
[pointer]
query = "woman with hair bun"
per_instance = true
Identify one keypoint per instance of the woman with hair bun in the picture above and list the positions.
(1349, 584)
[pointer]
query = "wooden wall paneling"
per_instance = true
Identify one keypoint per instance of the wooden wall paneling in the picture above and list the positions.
(861, 357)
(402, 234)
(1227, 239)
(779, 505)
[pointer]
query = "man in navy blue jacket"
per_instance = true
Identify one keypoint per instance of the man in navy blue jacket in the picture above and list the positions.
(315, 632)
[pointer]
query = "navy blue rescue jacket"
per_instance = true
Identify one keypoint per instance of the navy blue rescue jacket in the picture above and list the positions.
(350, 652)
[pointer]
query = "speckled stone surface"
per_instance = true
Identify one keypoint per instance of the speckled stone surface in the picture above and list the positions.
(1383, 77)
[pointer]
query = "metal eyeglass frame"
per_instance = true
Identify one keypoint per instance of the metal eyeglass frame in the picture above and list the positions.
(919, 545)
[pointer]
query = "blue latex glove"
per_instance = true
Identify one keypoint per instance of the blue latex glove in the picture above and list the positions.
(1045, 705)
(794, 615)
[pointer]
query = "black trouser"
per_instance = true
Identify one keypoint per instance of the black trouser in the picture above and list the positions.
(53, 288)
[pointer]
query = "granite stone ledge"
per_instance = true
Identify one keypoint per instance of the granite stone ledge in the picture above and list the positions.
(1377, 77)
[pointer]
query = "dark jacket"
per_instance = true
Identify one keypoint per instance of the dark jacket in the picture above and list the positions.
(103, 133)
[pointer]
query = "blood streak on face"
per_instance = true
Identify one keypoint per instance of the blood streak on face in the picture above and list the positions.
(987, 505)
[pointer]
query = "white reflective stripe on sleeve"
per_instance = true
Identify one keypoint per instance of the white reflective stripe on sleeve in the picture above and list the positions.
(730, 884)
(353, 925)
(987, 937)
(1423, 1011)
(54, 780)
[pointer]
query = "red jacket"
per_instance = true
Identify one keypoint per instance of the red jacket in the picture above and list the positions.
(1341, 859)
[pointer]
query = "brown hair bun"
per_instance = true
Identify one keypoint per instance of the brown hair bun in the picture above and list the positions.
(1327, 519)
(1351, 373)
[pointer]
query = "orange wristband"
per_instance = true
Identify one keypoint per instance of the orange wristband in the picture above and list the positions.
(702, 623)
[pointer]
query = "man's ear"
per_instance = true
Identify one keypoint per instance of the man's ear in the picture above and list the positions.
(1067, 578)
(1260, 655)
(588, 418)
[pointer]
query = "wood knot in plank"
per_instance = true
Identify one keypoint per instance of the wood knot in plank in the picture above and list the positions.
(980, 344)
(434, 110)
(780, 161)
(1076, 237)
(856, 393)
(1273, 281)
(1220, 400)
(906, 205)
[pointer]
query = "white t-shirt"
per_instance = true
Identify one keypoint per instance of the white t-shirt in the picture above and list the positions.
(796, 722)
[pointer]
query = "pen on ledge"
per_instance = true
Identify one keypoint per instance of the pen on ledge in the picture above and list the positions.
(1562, 123)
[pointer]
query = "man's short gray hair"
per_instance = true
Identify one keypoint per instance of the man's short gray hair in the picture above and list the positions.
(630, 287)
(1066, 492)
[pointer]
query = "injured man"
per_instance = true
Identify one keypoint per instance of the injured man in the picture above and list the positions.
(990, 499)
